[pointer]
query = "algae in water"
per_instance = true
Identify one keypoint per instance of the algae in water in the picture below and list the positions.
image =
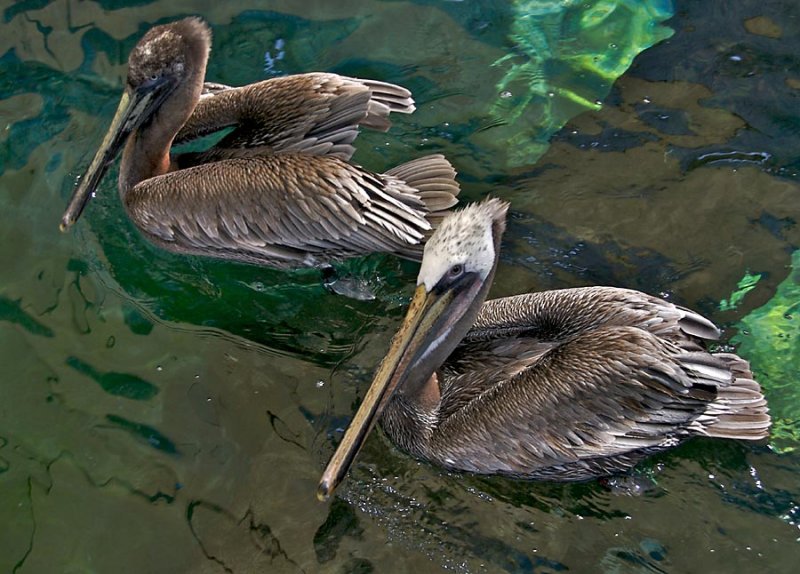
(769, 337)
(567, 55)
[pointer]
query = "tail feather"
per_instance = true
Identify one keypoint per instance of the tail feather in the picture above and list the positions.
(397, 98)
(740, 410)
(738, 366)
(432, 181)
(698, 326)
(385, 98)
(433, 186)
(434, 178)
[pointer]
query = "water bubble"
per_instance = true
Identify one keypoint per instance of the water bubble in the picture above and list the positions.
(320, 384)
(735, 58)
(505, 94)
(646, 100)
(159, 368)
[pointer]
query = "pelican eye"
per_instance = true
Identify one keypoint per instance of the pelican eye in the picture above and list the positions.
(456, 270)
(153, 80)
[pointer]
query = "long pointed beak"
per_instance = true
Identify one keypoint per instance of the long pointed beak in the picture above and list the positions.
(133, 109)
(425, 324)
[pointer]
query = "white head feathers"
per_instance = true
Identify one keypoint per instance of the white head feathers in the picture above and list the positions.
(465, 237)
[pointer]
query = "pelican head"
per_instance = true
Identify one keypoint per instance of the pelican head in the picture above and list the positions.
(458, 265)
(169, 60)
(464, 244)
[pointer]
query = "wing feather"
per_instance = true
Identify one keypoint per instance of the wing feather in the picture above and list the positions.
(315, 113)
(561, 383)
(318, 208)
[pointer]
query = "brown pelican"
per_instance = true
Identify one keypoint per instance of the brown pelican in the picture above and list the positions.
(278, 190)
(561, 385)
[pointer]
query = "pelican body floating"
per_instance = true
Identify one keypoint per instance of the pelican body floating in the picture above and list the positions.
(278, 190)
(563, 385)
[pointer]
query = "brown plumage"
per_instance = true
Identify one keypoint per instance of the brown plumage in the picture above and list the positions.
(278, 189)
(562, 385)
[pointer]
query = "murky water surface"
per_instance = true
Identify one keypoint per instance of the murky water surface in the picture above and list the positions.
(161, 413)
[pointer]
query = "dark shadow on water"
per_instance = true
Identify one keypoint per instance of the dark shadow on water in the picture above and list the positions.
(143, 433)
(13, 312)
(342, 521)
(114, 383)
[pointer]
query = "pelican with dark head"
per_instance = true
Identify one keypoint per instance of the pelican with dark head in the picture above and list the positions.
(278, 189)
(562, 385)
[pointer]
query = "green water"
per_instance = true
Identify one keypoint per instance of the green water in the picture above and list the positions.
(170, 414)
